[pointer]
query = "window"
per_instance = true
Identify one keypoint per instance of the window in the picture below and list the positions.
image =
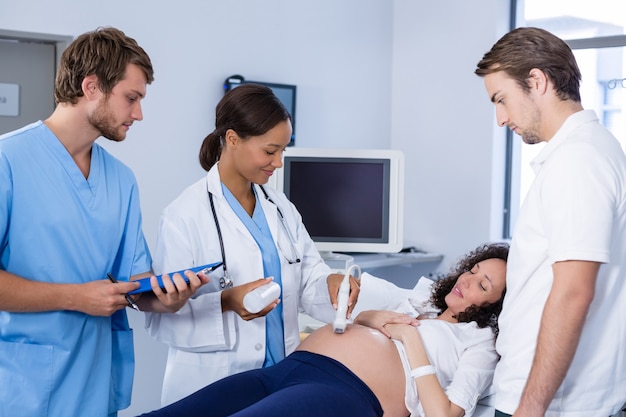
(596, 32)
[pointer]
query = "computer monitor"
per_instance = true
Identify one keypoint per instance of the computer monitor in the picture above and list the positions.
(286, 93)
(351, 200)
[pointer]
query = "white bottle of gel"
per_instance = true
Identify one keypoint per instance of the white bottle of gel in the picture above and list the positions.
(259, 298)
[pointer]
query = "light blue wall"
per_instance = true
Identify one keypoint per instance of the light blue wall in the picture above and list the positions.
(370, 74)
(445, 124)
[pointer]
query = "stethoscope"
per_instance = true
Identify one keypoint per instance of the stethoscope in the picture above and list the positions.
(226, 281)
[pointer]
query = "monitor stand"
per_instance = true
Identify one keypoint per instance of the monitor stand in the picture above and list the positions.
(337, 261)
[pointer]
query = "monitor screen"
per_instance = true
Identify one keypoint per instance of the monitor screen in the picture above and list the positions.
(351, 200)
(286, 93)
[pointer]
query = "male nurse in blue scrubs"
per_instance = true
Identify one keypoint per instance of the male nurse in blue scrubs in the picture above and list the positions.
(70, 215)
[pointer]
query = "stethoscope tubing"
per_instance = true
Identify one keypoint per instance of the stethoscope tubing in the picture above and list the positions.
(227, 282)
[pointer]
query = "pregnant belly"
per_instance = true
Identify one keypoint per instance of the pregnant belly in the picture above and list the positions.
(371, 356)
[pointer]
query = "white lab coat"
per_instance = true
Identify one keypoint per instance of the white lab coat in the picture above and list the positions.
(204, 343)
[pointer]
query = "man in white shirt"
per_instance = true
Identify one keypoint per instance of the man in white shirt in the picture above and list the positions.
(563, 324)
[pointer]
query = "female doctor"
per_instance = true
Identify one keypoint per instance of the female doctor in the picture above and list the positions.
(229, 216)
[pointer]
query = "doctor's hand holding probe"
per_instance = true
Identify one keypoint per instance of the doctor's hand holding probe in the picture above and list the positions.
(230, 216)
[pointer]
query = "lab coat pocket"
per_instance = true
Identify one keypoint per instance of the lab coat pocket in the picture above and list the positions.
(122, 370)
(26, 378)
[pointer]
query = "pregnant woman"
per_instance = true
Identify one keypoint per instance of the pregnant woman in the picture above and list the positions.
(386, 363)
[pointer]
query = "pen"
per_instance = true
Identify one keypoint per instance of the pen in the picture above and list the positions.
(128, 299)
(213, 268)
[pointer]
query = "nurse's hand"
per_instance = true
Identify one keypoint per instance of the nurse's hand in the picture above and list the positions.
(232, 299)
(101, 297)
(334, 282)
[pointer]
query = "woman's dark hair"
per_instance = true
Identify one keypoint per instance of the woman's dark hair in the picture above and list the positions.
(525, 48)
(486, 314)
(250, 110)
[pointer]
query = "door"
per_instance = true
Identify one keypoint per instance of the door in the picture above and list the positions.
(28, 65)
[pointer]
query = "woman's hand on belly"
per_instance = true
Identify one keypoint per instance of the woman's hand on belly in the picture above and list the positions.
(377, 319)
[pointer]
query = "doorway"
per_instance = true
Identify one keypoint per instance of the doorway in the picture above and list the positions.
(28, 64)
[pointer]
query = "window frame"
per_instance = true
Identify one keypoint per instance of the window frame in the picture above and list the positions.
(512, 169)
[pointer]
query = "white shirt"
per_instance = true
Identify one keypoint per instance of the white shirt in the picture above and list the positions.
(574, 210)
(464, 356)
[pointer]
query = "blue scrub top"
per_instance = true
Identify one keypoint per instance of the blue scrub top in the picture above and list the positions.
(56, 226)
(260, 231)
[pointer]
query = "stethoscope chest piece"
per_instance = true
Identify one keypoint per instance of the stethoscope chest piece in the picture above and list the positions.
(226, 282)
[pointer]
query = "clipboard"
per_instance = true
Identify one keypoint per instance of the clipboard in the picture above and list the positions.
(144, 283)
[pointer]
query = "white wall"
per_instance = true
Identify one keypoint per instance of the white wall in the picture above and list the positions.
(443, 120)
(370, 74)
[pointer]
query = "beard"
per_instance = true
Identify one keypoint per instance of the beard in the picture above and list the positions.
(531, 134)
(102, 120)
(531, 138)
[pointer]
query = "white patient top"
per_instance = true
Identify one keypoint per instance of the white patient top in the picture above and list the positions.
(464, 356)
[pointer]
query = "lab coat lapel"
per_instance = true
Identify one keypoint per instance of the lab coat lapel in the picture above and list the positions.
(223, 209)
(270, 210)
(224, 212)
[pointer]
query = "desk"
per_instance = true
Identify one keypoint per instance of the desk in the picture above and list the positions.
(403, 269)
(379, 260)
